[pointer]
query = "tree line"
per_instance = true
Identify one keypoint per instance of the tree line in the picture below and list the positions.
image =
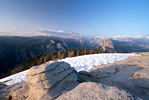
(43, 58)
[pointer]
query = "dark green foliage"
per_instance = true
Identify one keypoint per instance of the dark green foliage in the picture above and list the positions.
(37, 60)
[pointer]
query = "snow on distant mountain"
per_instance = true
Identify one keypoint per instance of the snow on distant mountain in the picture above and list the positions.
(54, 33)
(125, 36)
(130, 38)
(80, 63)
(137, 40)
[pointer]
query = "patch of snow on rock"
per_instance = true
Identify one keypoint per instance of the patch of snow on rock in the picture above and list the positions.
(16, 78)
(80, 63)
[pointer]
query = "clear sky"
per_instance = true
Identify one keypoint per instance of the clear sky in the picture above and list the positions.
(98, 17)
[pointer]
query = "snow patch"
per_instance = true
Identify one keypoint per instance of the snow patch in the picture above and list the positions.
(80, 63)
(16, 78)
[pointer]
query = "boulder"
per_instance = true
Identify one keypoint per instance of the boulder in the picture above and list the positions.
(96, 91)
(47, 81)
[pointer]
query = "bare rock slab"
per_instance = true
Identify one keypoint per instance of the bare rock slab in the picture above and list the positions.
(96, 91)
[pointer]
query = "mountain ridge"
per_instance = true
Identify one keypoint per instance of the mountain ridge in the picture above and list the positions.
(16, 49)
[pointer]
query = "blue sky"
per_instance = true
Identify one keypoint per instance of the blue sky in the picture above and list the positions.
(97, 17)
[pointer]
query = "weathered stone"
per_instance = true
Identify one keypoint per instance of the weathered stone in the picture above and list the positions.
(51, 74)
(47, 82)
(96, 91)
(43, 68)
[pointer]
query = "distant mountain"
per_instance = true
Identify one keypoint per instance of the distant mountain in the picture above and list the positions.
(14, 50)
(49, 33)
(56, 33)
(46, 33)
(125, 44)
(140, 41)
(105, 43)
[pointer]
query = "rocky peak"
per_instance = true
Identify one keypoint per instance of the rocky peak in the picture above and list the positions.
(104, 43)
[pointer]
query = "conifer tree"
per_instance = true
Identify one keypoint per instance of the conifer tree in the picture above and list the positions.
(69, 52)
(85, 51)
(59, 55)
(66, 53)
(62, 55)
(82, 51)
(106, 51)
(91, 51)
(54, 55)
(95, 51)
(77, 52)
(121, 51)
(99, 50)
(74, 52)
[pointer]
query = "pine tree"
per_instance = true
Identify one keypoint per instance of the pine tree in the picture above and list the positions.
(74, 52)
(66, 53)
(59, 55)
(45, 58)
(48, 57)
(121, 51)
(95, 51)
(99, 50)
(82, 51)
(54, 55)
(91, 51)
(69, 52)
(77, 52)
(106, 51)
(62, 55)
(85, 51)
